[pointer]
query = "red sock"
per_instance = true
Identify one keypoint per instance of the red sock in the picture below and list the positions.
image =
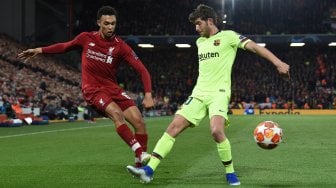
(137, 162)
(127, 135)
(142, 139)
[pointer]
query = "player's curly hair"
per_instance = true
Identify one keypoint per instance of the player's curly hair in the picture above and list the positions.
(203, 12)
(106, 10)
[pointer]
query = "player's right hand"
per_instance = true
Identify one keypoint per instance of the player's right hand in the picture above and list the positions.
(26, 54)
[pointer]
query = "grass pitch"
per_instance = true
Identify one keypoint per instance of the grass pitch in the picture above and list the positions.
(79, 154)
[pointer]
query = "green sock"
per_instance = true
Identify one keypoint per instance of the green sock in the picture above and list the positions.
(162, 148)
(224, 151)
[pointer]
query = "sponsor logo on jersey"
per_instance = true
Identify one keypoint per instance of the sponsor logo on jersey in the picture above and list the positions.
(206, 56)
(98, 56)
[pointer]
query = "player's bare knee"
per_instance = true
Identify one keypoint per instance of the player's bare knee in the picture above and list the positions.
(138, 120)
(139, 127)
(116, 116)
(174, 129)
(218, 135)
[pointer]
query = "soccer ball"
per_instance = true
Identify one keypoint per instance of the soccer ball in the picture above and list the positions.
(268, 134)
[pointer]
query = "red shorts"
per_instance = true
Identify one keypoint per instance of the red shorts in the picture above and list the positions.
(100, 97)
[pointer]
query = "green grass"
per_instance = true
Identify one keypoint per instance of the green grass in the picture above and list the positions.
(79, 154)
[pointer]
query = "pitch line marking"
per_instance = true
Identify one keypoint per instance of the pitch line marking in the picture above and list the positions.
(59, 130)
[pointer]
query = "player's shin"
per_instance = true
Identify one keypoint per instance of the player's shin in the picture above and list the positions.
(224, 151)
(142, 139)
(127, 135)
(161, 150)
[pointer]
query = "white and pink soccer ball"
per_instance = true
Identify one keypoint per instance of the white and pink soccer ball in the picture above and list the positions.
(268, 134)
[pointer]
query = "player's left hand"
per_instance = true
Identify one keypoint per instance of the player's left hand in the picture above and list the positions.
(148, 100)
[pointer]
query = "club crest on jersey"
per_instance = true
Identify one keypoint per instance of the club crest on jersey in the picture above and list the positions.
(101, 102)
(110, 50)
(217, 42)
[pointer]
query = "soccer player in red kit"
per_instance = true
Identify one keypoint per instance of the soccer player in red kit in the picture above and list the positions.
(102, 53)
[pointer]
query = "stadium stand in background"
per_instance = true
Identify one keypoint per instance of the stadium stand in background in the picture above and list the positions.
(53, 84)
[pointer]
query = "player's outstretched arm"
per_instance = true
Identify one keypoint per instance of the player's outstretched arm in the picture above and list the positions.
(282, 67)
(26, 54)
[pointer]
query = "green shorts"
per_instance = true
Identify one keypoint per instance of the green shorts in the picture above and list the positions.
(195, 109)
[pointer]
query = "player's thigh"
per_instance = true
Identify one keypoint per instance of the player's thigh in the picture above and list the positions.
(114, 112)
(194, 110)
(218, 106)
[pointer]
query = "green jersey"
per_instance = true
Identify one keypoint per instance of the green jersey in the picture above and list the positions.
(216, 55)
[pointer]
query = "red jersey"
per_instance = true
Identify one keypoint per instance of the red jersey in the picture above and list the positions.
(101, 59)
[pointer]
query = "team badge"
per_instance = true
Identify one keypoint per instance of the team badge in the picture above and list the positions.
(217, 42)
(101, 102)
(110, 50)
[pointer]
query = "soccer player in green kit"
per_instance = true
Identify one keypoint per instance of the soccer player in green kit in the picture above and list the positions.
(211, 94)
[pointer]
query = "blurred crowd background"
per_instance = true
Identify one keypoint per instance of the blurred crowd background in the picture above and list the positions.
(52, 82)
(161, 17)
